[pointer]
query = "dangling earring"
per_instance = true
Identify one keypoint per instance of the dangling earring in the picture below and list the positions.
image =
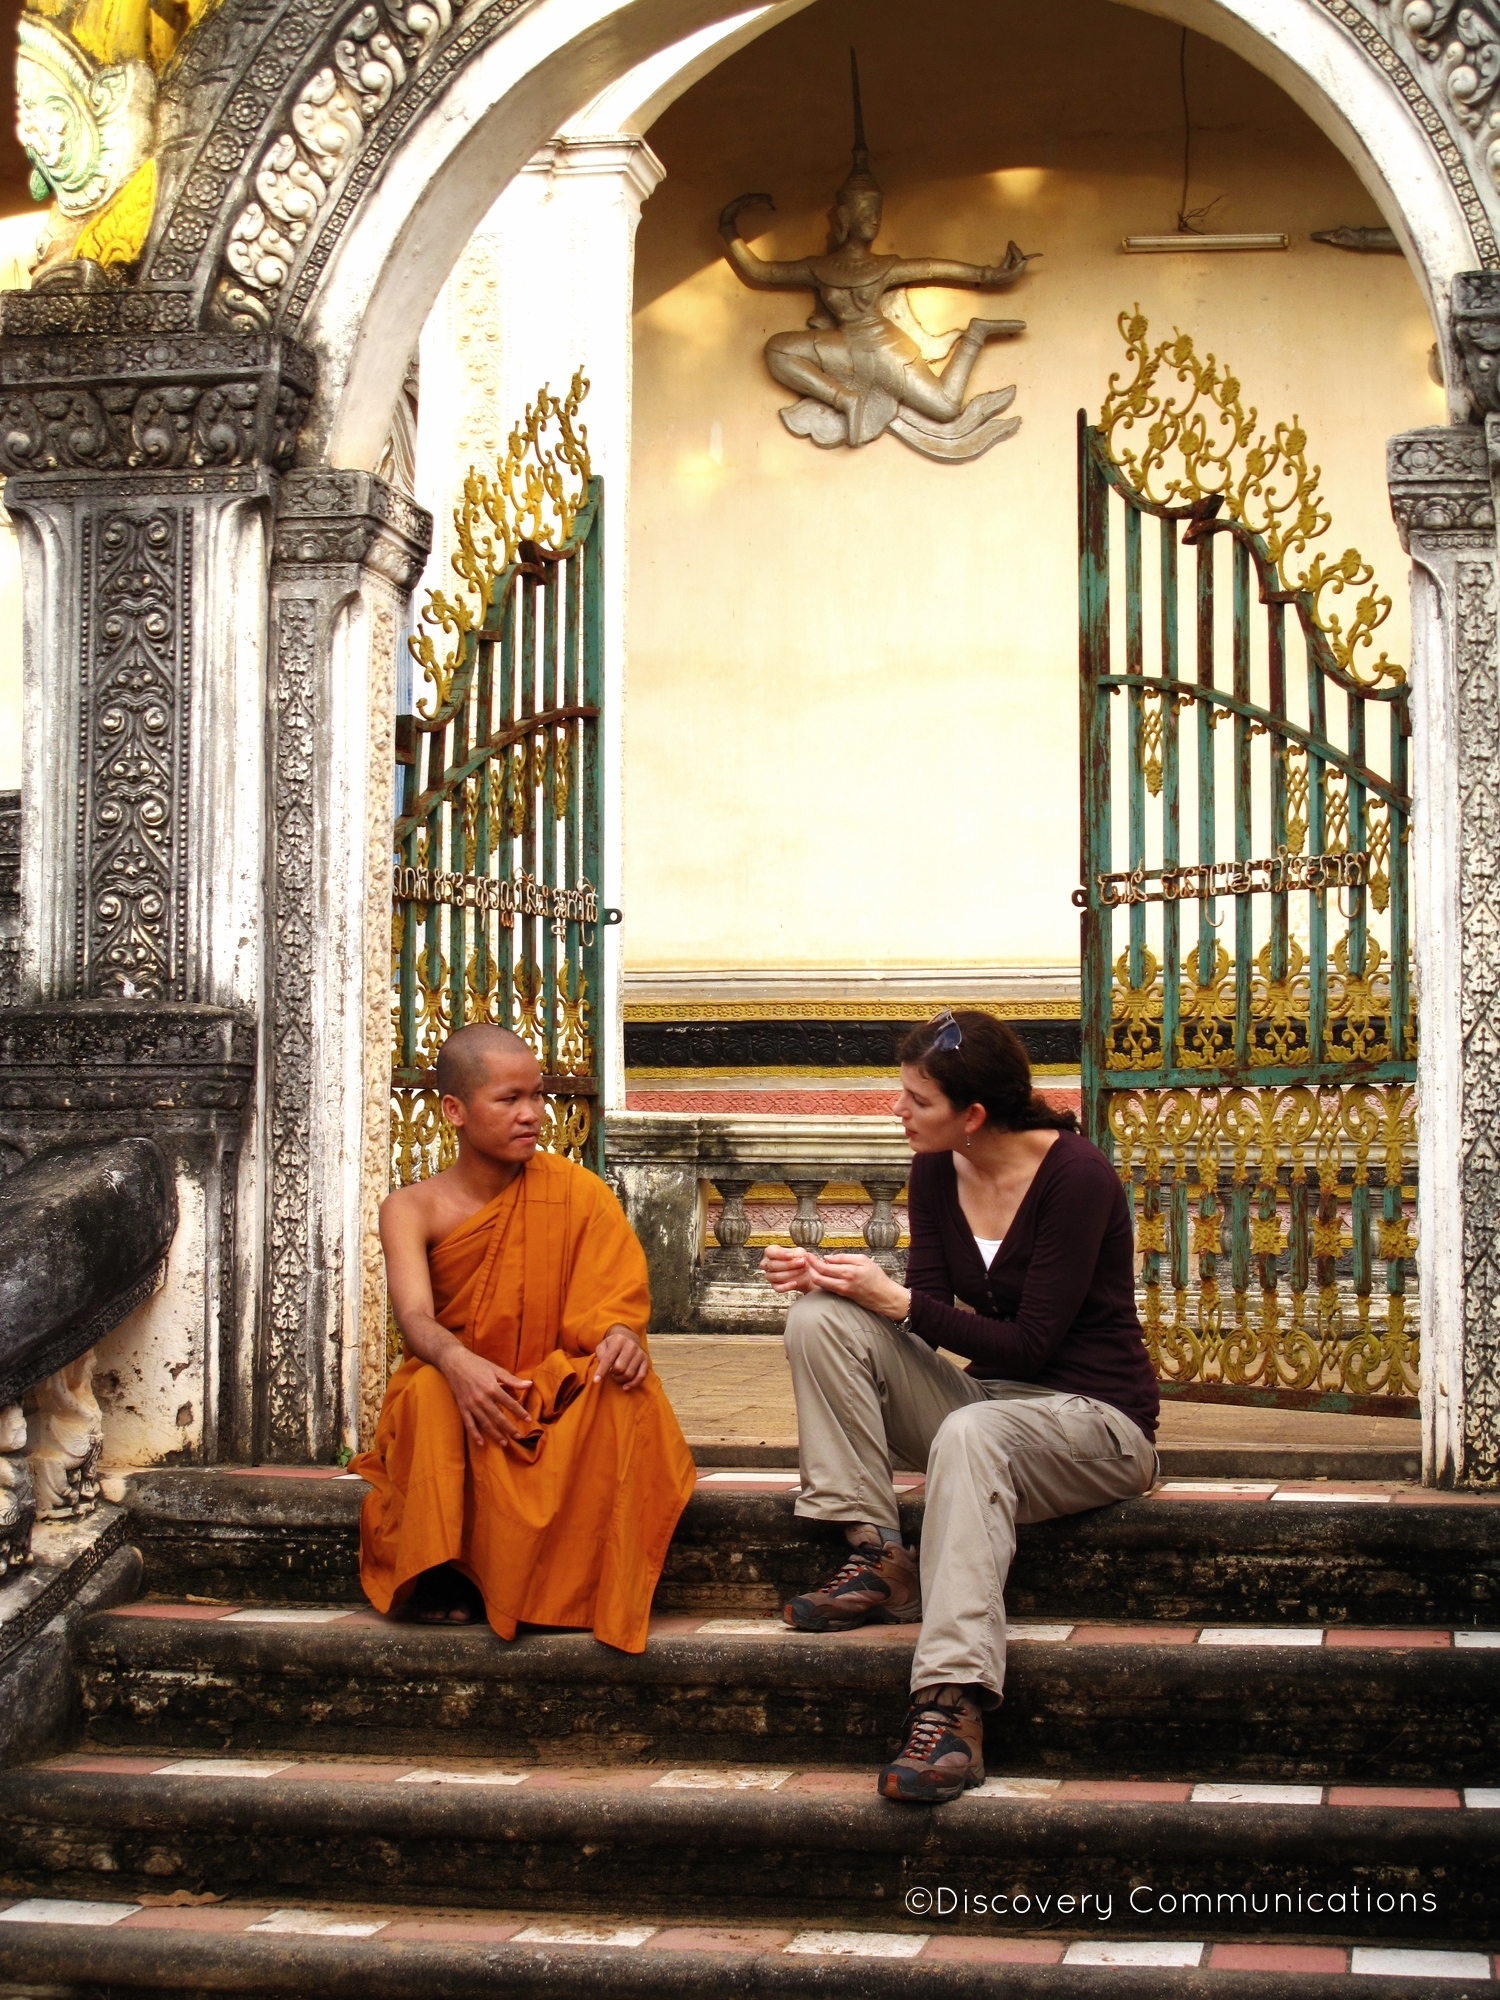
(968, 1140)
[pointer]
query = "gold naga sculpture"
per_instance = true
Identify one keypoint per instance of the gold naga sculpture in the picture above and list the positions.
(86, 74)
(865, 365)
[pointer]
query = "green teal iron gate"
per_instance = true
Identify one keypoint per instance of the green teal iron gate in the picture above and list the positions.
(498, 836)
(1248, 1035)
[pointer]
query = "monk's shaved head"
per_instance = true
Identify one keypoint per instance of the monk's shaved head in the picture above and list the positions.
(465, 1056)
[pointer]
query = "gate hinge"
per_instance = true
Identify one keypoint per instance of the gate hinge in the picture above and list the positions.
(613, 916)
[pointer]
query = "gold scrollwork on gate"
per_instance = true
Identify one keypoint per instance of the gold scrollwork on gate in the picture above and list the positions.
(534, 496)
(1134, 1038)
(1204, 447)
(1302, 1193)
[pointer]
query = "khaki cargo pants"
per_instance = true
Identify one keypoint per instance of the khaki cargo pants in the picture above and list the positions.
(870, 1398)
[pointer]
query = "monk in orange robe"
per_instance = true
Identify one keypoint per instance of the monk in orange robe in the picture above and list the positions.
(527, 1464)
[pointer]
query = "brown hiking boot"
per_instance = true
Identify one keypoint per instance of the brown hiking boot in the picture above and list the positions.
(876, 1586)
(944, 1751)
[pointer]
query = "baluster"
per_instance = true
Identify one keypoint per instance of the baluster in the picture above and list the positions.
(806, 1229)
(732, 1229)
(882, 1231)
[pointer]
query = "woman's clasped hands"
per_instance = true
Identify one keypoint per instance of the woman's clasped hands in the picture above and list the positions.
(849, 1275)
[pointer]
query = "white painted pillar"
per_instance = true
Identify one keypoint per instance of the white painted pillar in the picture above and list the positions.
(546, 286)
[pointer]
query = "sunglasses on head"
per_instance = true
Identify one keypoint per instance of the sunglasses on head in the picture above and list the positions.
(947, 1035)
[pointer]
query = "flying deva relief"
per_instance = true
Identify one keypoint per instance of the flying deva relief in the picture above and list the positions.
(867, 365)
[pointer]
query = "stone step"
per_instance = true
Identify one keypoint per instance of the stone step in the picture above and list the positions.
(72, 1950)
(1288, 1704)
(1374, 1554)
(793, 1847)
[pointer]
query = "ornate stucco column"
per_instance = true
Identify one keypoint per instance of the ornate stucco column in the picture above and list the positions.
(1442, 493)
(142, 472)
(546, 286)
(347, 551)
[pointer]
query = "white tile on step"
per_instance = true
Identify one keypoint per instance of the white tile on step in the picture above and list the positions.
(1405, 1962)
(318, 1923)
(1348, 1499)
(627, 1935)
(291, 1614)
(60, 1910)
(1163, 1952)
(1483, 1798)
(1257, 1795)
(1260, 1635)
(749, 1479)
(719, 1781)
(748, 1628)
(1038, 1635)
(1016, 1788)
(463, 1778)
(858, 1944)
(219, 1767)
(1470, 1641)
(1217, 1486)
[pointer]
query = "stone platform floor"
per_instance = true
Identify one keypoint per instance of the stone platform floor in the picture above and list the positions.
(733, 1396)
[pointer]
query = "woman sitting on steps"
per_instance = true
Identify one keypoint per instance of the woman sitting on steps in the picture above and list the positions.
(1026, 1222)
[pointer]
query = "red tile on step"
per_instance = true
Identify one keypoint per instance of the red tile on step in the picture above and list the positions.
(1133, 1635)
(1125, 1791)
(172, 1610)
(995, 1951)
(1394, 1795)
(615, 1778)
(717, 1937)
(435, 1931)
(843, 1782)
(1394, 1640)
(206, 1917)
(110, 1767)
(285, 1471)
(1278, 1958)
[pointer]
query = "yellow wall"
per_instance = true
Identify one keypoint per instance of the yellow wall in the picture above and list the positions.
(851, 727)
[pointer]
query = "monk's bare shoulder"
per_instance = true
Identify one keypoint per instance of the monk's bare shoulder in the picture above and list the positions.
(423, 1209)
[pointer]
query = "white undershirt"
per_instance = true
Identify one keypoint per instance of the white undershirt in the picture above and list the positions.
(989, 1248)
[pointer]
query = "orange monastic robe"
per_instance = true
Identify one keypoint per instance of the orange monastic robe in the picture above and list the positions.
(571, 1526)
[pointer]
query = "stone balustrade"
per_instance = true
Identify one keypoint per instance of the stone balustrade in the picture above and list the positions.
(704, 1193)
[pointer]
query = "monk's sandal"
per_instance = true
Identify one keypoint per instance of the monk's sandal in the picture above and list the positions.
(874, 1587)
(943, 1755)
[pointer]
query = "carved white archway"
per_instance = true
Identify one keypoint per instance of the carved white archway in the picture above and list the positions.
(561, 55)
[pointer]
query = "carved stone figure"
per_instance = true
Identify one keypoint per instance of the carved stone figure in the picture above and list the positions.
(865, 364)
(84, 1231)
(17, 1500)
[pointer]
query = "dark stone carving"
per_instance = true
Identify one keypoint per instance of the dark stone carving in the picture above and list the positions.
(1475, 643)
(99, 1069)
(1440, 484)
(83, 1231)
(1476, 327)
(10, 898)
(136, 580)
(119, 405)
(323, 517)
